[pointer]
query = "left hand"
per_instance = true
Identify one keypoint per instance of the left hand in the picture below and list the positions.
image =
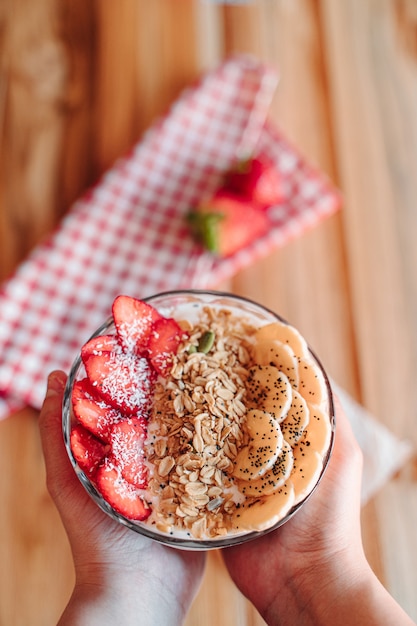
(131, 576)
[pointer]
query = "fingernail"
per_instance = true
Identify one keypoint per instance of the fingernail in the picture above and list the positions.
(56, 384)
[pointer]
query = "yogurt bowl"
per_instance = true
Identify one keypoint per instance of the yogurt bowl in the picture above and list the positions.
(199, 419)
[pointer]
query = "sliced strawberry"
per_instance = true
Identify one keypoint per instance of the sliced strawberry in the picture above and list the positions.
(98, 345)
(91, 410)
(258, 180)
(123, 381)
(163, 343)
(120, 494)
(87, 450)
(127, 439)
(226, 223)
(133, 320)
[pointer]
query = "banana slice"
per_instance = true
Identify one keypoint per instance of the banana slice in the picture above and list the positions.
(318, 432)
(311, 381)
(270, 390)
(281, 355)
(306, 470)
(286, 334)
(297, 419)
(264, 512)
(265, 445)
(273, 478)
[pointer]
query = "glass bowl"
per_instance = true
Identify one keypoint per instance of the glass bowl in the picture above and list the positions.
(190, 303)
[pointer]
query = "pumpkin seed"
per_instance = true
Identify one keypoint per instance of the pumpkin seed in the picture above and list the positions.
(206, 342)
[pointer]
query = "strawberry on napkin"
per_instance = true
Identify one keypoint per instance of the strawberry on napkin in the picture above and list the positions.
(129, 233)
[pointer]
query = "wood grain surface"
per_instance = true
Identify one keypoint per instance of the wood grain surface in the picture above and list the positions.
(81, 81)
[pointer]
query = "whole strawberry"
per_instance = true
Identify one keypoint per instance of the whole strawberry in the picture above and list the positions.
(257, 180)
(226, 223)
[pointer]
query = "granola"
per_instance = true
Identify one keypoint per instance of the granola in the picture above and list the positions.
(195, 431)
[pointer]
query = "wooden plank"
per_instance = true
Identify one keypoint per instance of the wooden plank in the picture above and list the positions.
(376, 133)
(397, 512)
(36, 574)
(77, 169)
(373, 71)
(218, 601)
(39, 96)
(35, 72)
(138, 73)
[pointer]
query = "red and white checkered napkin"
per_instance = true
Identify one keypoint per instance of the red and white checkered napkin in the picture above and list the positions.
(128, 234)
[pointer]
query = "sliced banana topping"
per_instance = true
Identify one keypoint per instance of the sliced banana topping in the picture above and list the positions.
(306, 470)
(269, 389)
(262, 513)
(286, 334)
(265, 445)
(318, 432)
(311, 381)
(281, 355)
(287, 425)
(273, 478)
(297, 419)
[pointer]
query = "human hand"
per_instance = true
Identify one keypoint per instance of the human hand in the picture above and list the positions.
(280, 571)
(313, 570)
(120, 575)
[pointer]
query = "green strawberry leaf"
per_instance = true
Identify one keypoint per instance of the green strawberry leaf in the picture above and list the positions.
(205, 228)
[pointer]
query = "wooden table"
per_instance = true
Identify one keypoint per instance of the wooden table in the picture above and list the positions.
(80, 83)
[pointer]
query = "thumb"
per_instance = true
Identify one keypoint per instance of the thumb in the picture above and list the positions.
(59, 474)
(50, 415)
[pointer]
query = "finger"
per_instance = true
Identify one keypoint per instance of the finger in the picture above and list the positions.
(58, 468)
(346, 444)
(341, 483)
(50, 415)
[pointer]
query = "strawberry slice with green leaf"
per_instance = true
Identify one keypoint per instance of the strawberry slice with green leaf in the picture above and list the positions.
(133, 319)
(91, 410)
(127, 439)
(227, 223)
(87, 450)
(163, 343)
(123, 381)
(258, 180)
(124, 497)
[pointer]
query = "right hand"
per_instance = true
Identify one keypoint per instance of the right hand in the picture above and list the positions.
(303, 556)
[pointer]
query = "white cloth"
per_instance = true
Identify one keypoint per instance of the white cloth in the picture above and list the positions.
(383, 453)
